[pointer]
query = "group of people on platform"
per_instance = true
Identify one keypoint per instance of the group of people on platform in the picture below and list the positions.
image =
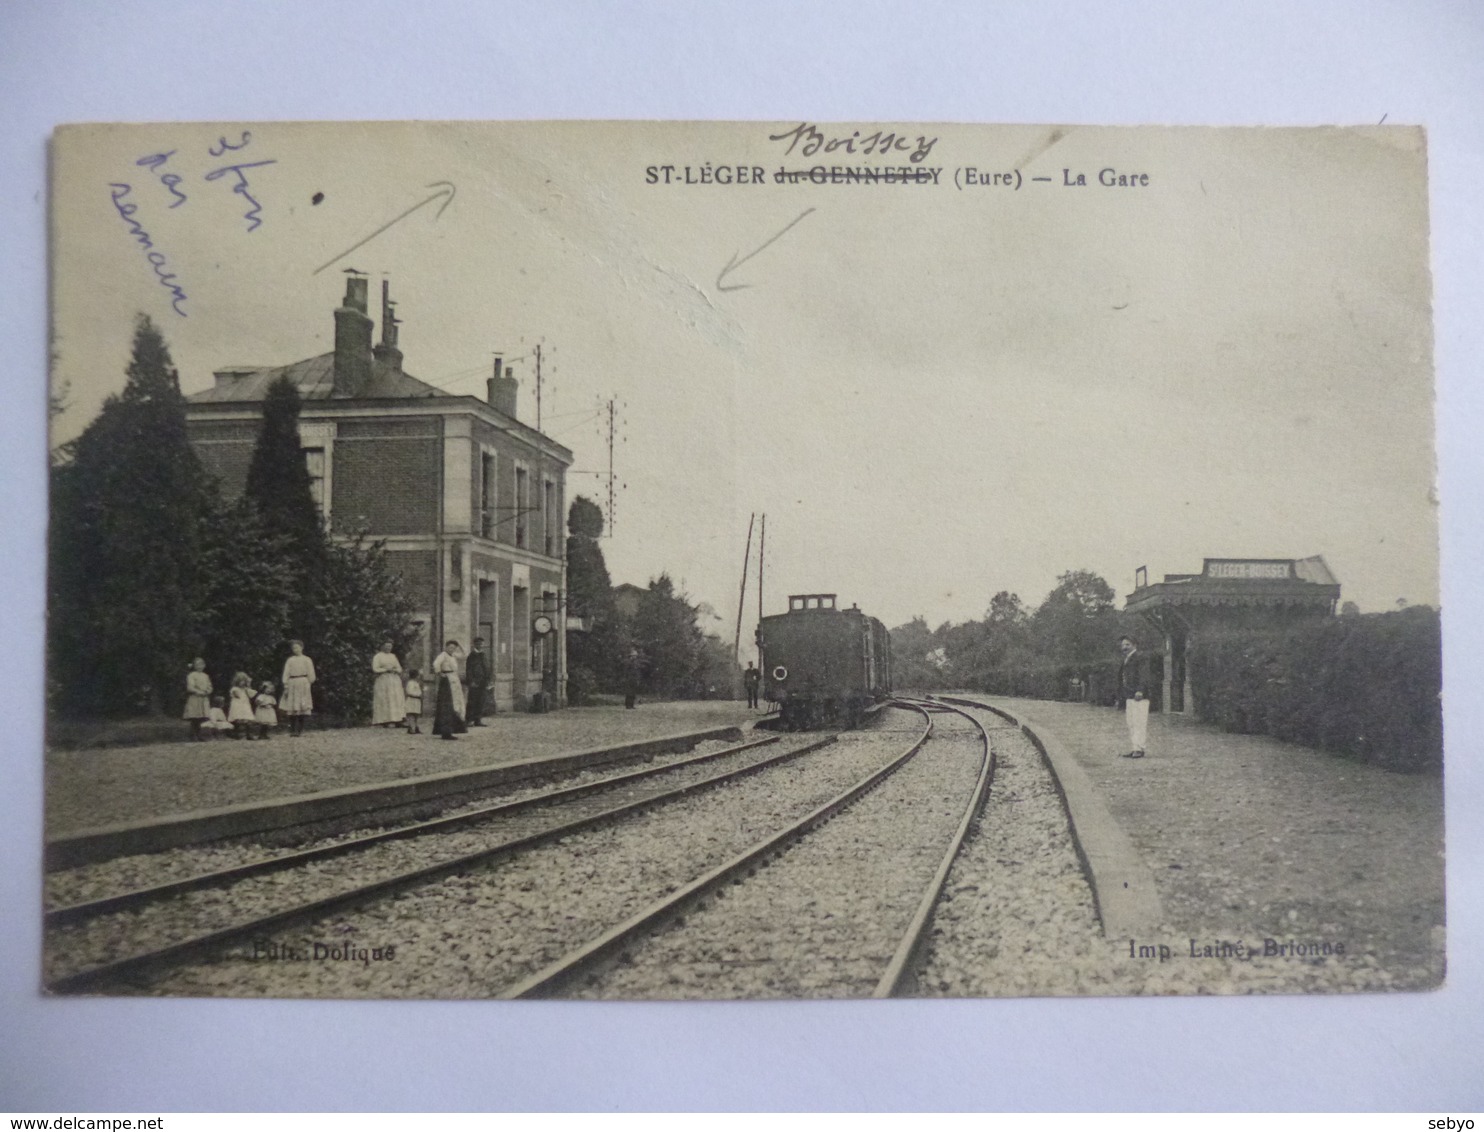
(248, 712)
(454, 711)
(396, 699)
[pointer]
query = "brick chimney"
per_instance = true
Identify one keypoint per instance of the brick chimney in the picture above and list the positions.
(386, 351)
(502, 389)
(352, 339)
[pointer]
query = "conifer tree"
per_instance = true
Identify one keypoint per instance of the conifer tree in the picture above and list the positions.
(127, 506)
(278, 480)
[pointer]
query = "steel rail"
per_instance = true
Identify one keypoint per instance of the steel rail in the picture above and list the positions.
(137, 897)
(145, 962)
(582, 960)
(900, 977)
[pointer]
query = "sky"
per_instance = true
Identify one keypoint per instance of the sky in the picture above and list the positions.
(934, 391)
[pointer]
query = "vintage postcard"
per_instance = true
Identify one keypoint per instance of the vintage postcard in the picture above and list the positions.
(629, 560)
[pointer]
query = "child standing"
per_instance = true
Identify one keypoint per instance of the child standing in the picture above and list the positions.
(414, 698)
(265, 714)
(216, 718)
(198, 697)
(239, 711)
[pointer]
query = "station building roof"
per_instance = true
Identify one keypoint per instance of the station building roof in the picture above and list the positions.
(315, 380)
(1300, 582)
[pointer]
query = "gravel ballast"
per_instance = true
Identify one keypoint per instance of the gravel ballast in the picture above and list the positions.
(1018, 918)
(120, 874)
(472, 934)
(824, 918)
(98, 940)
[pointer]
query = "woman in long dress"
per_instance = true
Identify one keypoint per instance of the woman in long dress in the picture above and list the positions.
(448, 717)
(388, 704)
(297, 702)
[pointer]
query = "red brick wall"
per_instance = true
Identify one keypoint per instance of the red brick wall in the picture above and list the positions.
(419, 570)
(385, 476)
(225, 450)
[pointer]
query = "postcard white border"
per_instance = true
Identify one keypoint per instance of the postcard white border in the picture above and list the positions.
(1070, 62)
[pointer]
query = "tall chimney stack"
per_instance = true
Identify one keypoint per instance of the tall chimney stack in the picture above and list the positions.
(386, 351)
(353, 357)
(501, 389)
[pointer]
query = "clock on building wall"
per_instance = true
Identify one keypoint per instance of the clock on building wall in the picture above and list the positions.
(542, 625)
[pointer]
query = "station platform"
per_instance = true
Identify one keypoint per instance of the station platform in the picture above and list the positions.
(99, 787)
(1249, 838)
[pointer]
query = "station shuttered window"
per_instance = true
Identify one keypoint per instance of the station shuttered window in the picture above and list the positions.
(314, 463)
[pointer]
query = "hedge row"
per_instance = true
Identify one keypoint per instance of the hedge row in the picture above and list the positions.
(1364, 686)
(1099, 680)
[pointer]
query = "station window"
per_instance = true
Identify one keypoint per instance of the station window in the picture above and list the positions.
(487, 505)
(549, 523)
(522, 506)
(314, 463)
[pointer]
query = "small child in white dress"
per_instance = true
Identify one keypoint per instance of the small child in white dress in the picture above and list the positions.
(239, 710)
(265, 712)
(413, 693)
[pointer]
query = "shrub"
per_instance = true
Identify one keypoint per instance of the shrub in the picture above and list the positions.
(1367, 687)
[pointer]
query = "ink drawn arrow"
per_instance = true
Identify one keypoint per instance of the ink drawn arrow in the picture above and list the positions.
(735, 263)
(445, 193)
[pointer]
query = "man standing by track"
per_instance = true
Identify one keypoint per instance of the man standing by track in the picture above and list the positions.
(751, 679)
(1133, 695)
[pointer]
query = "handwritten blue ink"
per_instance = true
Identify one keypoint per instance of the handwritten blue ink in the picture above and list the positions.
(157, 260)
(223, 144)
(254, 215)
(171, 181)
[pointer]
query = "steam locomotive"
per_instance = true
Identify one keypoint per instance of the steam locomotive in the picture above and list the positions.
(822, 665)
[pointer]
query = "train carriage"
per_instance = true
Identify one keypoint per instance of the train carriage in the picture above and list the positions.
(822, 665)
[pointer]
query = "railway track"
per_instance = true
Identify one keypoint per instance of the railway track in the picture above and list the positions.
(653, 952)
(445, 870)
(116, 920)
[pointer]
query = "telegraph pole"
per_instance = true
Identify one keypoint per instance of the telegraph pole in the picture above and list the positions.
(538, 386)
(611, 415)
(762, 541)
(742, 594)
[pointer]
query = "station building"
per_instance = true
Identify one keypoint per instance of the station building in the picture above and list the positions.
(469, 500)
(1228, 593)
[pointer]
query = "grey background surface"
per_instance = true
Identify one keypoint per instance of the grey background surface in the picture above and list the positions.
(1076, 63)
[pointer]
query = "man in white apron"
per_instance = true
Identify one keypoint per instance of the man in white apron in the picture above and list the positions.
(1133, 693)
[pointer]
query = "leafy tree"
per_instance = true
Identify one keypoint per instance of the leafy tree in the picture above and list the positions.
(129, 499)
(362, 604)
(1006, 608)
(249, 592)
(669, 641)
(595, 658)
(918, 660)
(1076, 625)
(585, 519)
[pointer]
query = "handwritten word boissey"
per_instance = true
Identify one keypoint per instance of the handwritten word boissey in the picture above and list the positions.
(157, 259)
(809, 140)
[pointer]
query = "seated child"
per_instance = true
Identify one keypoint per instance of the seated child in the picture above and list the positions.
(216, 719)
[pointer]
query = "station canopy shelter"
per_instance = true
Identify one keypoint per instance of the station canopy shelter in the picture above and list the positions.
(1228, 593)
